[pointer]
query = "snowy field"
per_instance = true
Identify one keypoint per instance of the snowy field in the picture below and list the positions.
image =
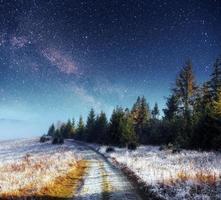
(33, 170)
(185, 175)
(29, 168)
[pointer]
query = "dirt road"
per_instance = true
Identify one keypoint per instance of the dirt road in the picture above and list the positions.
(102, 181)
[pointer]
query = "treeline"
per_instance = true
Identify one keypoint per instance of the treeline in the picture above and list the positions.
(192, 118)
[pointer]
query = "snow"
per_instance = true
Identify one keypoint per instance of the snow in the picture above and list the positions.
(186, 175)
(27, 166)
(189, 174)
(26, 162)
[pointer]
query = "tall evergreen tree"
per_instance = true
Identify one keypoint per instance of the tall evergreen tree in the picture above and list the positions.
(144, 114)
(217, 105)
(185, 88)
(102, 128)
(171, 110)
(155, 112)
(63, 131)
(140, 115)
(215, 82)
(58, 137)
(136, 110)
(69, 131)
(206, 97)
(80, 132)
(90, 126)
(126, 127)
(51, 130)
(73, 124)
(114, 129)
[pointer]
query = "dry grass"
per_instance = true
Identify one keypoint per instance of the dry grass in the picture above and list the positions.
(185, 175)
(61, 187)
(52, 172)
(200, 177)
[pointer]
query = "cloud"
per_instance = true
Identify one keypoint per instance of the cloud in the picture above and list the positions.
(11, 120)
(63, 62)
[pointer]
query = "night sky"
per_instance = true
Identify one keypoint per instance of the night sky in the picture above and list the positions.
(59, 58)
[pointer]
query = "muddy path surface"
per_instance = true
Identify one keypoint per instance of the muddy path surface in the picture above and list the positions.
(102, 181)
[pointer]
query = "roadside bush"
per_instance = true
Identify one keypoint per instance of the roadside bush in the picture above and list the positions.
(57, 140)
(110, 149)
(176, 150)
(162, 147)
(44, 138)
(170, 147)
(132, 146)
(216, 142)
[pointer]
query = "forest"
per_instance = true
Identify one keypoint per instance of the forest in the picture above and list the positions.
(191, 118)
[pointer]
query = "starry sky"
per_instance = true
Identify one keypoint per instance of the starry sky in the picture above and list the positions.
(59, 58)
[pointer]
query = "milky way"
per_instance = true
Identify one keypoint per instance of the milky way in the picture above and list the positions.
(60, 58)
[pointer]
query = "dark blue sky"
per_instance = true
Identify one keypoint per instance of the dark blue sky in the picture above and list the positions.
(60, 58)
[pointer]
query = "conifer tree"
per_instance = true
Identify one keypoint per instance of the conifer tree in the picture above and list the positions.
(80, 132)
(73, 125)
(206, 97)
(140, 115)
(90, 126)
(171, 110)
(136, 110)
(51, 130)
(58, 137)
(215, 82)
(185, 88)
(217, 105)
(114, 129)
(69, 131)
(155, 112)
(128, 135)
(63, 131)
(102, 128)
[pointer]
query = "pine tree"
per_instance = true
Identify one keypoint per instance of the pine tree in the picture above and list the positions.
(215, 82)
(102, 128)
(114, 129)
(144, 114)
(217, 105)
(90, 127)
(58, 137)
(155, 112)
(171, 110)
(69, 131)
(126, 127)
(73, 125)
(206, 97)
(140, 115)
(185, 92)
(51, 130)
(63, 131)
(136, 109)
(80, 132)
(215, 128)
(185, 88)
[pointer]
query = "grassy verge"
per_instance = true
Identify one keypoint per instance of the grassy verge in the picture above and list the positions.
(62, 187)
